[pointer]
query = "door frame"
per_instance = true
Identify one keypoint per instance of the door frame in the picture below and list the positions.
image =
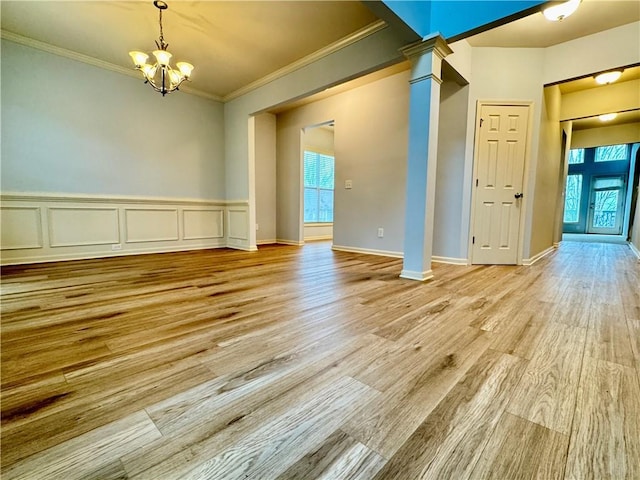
(525, 205)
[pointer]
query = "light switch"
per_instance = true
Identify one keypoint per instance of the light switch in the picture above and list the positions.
(348, 184)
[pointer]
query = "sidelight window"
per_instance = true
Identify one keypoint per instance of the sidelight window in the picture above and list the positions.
(572, 199)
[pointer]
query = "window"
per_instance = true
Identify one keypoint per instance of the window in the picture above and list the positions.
(611, 153)
(572, 199)
(318, 187)
(576, 156)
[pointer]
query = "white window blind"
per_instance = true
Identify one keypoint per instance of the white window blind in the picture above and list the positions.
(319, 172)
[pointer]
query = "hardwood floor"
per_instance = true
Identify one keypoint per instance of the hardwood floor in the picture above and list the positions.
(303, 363)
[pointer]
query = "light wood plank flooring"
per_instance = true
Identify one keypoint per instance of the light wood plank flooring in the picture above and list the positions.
(303, 363)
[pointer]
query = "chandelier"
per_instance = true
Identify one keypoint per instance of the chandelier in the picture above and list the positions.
(160, 75)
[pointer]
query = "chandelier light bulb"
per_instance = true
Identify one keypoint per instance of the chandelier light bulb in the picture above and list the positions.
(558, 12)
(608, 77)
(162, 56)
(160, 75)
(607, 117)
(175, 77)
(185, 68)
(139, 58)
(149, 71)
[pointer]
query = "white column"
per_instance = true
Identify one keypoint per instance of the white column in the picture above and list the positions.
(424, 107)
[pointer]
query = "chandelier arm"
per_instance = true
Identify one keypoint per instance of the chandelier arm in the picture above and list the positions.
(162, 87)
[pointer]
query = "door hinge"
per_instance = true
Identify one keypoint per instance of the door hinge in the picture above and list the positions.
(473, 240)
(476, 182)
(481, 121)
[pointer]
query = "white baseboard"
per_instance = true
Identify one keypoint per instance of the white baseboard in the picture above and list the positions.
(419, 276)
(635, 251)
(450, 260)
(368, 251)
(64, 257)
(270, 241)
(243, 248)
(294, 243)
(46, 227)
(318, 238)
(535, 258)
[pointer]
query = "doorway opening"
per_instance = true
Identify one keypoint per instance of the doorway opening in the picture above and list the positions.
(597, 190)
(318, 171)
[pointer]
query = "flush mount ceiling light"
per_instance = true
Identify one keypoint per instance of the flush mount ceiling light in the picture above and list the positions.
(160, 75)
(608, 77)
(607, 117)
(559, 11)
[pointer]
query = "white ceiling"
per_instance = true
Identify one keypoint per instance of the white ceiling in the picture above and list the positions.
(230, 43)
(535, 31)
(235, 43)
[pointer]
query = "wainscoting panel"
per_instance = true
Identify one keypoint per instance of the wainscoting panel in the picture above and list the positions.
(21, 228)
(238, 223)
(76, 226)
(49, 227)
(202, 223)
(151, 224)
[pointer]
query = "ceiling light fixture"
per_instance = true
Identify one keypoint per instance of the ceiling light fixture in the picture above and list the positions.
(559, 11)
(607, 117)
(608, 77)
(160, 75)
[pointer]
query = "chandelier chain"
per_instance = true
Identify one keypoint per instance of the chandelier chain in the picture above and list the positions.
(161, 34)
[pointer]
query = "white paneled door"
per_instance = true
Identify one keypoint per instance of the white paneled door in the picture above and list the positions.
(500, 155)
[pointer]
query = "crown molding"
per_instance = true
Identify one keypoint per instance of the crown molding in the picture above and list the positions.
(79, 57)
(309, 59)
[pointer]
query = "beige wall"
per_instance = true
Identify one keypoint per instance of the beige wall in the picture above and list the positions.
(69, 127)
(319, 139)
(370, 145)
(616, 97)
(601, 51)
(265, 161)
(545, 199)
(613, 135)
(450, 232)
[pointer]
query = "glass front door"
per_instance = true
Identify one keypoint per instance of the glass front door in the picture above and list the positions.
(606, 205)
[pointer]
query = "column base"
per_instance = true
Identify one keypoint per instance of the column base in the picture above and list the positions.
(419, 276)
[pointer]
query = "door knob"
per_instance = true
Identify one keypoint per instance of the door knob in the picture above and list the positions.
(519, 195)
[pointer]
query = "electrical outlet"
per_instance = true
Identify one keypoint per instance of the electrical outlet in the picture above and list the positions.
(380, 232)
(348, 184)
(116, 246)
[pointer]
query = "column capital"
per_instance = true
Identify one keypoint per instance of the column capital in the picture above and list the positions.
(432, 43)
